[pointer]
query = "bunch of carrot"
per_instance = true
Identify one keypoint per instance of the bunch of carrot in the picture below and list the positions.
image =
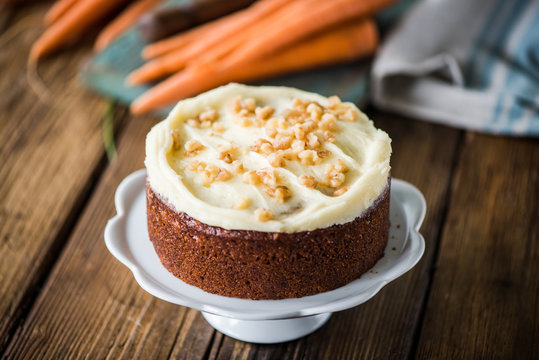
(271, 37)
(67, 20)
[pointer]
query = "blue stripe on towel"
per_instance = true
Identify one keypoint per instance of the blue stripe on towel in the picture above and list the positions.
(471, 71)
(521, 82)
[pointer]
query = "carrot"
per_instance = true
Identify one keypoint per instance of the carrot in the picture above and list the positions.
(217, 30)
(298, 26)
(344, 43)
(257, 29)
(214, 44)
(122, 22)
(72, 24)
(57, 10)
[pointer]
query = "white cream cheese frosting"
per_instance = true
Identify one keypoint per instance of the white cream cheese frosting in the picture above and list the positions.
(264, 158)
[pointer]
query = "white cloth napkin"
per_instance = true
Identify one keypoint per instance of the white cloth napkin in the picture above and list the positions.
(471, 64)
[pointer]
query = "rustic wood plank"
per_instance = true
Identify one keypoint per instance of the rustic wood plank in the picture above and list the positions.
(384, 327)
(51, 153)
(106, 314)
(484, 301)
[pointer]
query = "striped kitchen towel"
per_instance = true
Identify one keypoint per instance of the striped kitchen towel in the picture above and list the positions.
(472, 64)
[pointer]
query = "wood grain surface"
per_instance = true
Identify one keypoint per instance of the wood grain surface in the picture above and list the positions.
(484, 299)
(474, 294)
(51, 150)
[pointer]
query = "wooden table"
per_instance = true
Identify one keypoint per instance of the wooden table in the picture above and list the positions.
(62, 295)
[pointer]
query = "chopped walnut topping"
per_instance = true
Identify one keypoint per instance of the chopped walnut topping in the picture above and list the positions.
(265, 112)
(334, 101)
(328, 122)
(212, 170)
(266, 148)
(282, 142)
(307, 181)
(298, 104)
(268, 176)
(245, 122)
(226, 157)
(256, 147)
(341, 166)
(204, 120)
(208, 115)
(238, 166)
(249, 104)
(282, 124)
(251, 177)
(271, 132)
(210, 173)
(315, 111)
(205, 124)
(192, 123)
(243, 113)
(323, 153)
(272, 123)
(299, 132)
(219, 127)
(298, 145)
(263, 214)
(282, 193)
(341, 191)
(328, 137)
(309, 157)
(309, 125)
(223, 175)
(197, 166)
(349, 115)
(276, 160)
(313, 141)
(235, 104)
(193, 165)
(192, 147)
(242, 203)
(334, 177)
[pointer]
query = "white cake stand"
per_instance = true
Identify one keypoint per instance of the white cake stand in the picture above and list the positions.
(262, 321)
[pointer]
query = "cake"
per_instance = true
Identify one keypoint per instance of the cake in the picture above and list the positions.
(267, 192)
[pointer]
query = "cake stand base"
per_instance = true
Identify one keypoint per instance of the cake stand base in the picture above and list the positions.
(267, 331)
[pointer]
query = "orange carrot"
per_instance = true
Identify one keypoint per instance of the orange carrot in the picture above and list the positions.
(216, 43)
(298, 26)
(71, 25)
(344, 43)
(291, 10)
(122, 22)
(218, 30)
(57, 10)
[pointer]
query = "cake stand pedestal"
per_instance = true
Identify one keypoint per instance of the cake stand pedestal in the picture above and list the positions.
(267, 331)
(262, 321)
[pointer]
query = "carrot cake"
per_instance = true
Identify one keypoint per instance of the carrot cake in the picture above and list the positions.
(267, 192)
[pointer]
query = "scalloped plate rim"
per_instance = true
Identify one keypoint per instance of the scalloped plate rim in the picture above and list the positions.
(413, 249)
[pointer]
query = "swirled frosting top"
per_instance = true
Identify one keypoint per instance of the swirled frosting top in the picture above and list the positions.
(268, 159)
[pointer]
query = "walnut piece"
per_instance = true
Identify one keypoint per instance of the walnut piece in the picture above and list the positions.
(263, 214)
(242, 203)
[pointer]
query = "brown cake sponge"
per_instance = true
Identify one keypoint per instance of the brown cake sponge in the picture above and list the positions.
(266, 265)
